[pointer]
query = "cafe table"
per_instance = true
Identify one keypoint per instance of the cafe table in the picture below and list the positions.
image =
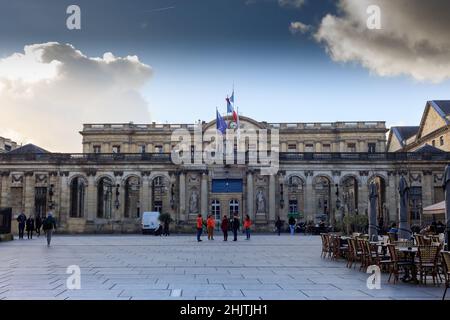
(410, 254)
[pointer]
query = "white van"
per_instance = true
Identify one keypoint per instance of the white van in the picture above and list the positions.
(150, 222)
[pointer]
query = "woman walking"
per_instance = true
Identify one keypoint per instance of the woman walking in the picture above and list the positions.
(224, 227)
(278, 225)
(199, 227)
(210, 224)
(247, 225)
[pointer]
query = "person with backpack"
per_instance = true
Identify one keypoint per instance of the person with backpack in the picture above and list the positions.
(30, 227)
(247, 225)
(48, 225)
(21, 219)
(38, 225)
(225, 226)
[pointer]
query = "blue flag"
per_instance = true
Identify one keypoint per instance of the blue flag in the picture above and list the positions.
(230, 108)
(232, 97)
(220, 123)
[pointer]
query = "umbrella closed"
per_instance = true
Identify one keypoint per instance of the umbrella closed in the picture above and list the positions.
(373, 195)
(446, 185)
(404, 229)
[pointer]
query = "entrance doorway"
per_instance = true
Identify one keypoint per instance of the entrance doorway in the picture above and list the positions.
(40, 201)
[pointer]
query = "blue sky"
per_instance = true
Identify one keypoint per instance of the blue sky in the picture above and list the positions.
(199, 48)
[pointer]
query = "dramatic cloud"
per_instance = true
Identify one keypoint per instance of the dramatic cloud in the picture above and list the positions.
(299, 27)
(50, 90)
(413, 41)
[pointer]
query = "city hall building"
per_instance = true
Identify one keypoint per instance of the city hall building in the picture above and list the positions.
(323, 173)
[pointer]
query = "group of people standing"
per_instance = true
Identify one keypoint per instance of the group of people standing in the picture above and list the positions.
(30, 225)
(226, 225)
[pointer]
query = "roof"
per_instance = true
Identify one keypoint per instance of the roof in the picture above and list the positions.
(444, 105)
(404, 133)
(28, 148)
(428, 149)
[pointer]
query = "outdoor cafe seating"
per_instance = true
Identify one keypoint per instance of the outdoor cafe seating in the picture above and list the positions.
(415, 261)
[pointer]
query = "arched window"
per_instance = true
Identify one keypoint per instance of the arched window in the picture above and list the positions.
(234, 207)
(104, 198)
(350, 194)
(215, 209)
(77, 194)
(132, 205)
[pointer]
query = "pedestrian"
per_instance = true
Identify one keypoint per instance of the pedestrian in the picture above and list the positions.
(21, 219)
(278, 225)
(292, 225)
(30, 227)
(236, 224)
(48, 225)
(38, 225)
(247, 225)
(210, 224)
(224, 227)
(199, 227)
(166, 227)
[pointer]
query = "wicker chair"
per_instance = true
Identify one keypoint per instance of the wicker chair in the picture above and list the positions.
(354, 254)
(419, 239)
(338, 250)
(428, 262)
(446, 266)
(392, 237)
(395, 263)
(325, 246)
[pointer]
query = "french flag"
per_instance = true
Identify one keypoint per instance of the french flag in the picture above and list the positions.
(230, 108)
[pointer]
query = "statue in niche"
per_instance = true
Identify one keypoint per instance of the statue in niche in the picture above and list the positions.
(193, 202)
(260, 202)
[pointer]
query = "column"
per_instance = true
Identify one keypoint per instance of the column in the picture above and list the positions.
(144, 200)
(342, 146)
(333, 198)
(182, 206)
(91, 198)
(318, 147)
(285, 210)
(250, 194)
(4, 195)
(29, 193)
(362, 146)
(301, 147)
(119, 212)
(204, 194)
(272, 198)
(363, 195)
(64, 199)
(309, 198)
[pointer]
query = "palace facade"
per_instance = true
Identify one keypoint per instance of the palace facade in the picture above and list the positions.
(126, 169)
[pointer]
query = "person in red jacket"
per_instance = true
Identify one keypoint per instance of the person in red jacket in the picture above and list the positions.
(224, 227)
(199, 227)
(210, 224)
(247, 225)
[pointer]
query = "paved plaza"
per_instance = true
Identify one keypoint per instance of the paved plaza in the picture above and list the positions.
(177, 267)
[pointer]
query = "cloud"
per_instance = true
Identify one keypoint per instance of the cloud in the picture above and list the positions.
(413, 40)
(299, 27)
(51, 89)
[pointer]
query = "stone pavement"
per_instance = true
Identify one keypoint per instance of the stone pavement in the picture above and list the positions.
(177, 267)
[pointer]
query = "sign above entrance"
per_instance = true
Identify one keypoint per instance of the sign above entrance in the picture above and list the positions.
(227, 186)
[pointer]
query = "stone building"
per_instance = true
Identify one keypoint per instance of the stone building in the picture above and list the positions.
(432, 134)
(126, 169)
(7, 145)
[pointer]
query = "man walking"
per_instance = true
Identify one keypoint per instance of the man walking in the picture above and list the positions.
(30, 227)
(224, 227)
(210, 225)
(21, 219)
(278, 225)
(48, 225)
(235, 226)
(199, 227)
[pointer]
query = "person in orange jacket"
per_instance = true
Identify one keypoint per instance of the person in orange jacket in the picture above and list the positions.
(247, 225)
(199, 227)
(210, 224)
